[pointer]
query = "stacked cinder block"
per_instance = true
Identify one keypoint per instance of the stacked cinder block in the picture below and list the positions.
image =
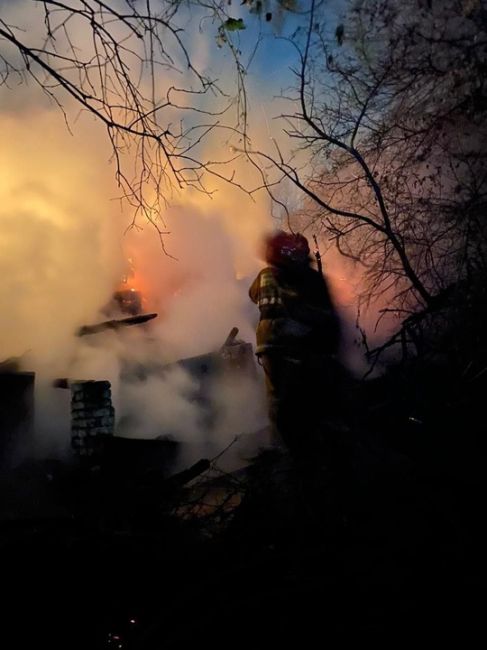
(92, 415)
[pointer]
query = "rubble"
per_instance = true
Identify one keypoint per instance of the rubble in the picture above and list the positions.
(349, 541)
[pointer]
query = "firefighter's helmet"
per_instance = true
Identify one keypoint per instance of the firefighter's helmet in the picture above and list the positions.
(284, 249)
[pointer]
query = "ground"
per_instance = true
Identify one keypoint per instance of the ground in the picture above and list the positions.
(378, 536)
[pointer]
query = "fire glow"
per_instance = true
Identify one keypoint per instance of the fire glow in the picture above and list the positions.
(65, 251)
(64, 254)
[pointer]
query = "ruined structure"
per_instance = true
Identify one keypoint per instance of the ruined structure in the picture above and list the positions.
(16, 410)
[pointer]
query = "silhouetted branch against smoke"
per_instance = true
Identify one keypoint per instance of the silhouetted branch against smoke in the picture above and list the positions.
(123, 61)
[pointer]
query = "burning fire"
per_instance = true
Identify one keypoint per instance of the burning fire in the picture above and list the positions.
(128, 296)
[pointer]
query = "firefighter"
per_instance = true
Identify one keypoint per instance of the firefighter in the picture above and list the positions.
(297, 340)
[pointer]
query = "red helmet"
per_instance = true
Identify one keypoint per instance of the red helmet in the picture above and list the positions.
(284, 249)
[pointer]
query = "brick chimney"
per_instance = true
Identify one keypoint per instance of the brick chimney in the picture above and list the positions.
(92, 415)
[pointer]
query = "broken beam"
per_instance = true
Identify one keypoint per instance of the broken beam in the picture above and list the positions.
(114, 324)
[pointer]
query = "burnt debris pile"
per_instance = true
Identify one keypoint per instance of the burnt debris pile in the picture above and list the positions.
(375, 532)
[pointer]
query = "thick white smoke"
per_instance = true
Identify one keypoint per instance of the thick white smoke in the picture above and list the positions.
(62, 254)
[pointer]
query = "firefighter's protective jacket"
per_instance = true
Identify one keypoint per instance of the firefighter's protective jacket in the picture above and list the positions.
(296, 312)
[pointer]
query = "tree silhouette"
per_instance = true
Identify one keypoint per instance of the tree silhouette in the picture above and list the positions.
(131, 65)
(388, 132)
